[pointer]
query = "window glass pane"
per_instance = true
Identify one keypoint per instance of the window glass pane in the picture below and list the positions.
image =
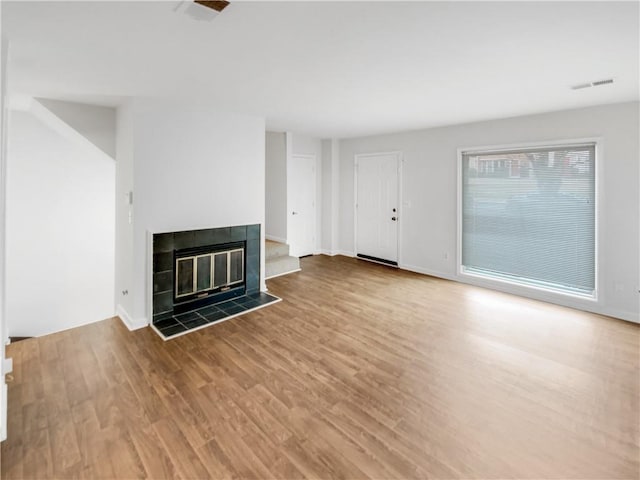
(236, 270)
(204, 273)
(530, 216)
(184, 282)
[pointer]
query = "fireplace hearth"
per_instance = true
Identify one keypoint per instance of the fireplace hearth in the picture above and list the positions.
(205, 276)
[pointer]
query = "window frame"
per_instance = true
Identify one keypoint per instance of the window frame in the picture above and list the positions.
(513, 286)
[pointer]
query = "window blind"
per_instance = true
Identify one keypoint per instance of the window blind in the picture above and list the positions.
(528, 216)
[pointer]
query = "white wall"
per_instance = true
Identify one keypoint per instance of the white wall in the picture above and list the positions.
(193, 168)
(60, 231)
(327, 199)
(124, 212)
(306, 145)
(97, 124)
(276, 187)
(428, 216)
(5, 367)
(330, 196)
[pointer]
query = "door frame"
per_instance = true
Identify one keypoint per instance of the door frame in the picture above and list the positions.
(313, 158)
(359, 156)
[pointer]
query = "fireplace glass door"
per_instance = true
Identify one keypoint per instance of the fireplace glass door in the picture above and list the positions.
(199, 274)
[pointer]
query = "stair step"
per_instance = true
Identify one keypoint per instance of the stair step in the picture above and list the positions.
(275, 249)
(281, 265)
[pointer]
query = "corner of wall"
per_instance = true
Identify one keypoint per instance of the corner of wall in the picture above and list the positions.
(129, 322)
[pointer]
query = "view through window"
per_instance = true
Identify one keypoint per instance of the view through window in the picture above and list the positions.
(528, 216)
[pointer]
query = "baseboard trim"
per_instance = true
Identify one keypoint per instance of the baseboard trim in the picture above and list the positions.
(622, 315)
(424, 271)
(329, 253)
(346, 253)
(128, 321)
(542, 297)
(283, 273)
(3, 405)
(275, 239)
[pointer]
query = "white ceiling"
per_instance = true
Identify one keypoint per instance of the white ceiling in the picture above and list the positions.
(332, 69)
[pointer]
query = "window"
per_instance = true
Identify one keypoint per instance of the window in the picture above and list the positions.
(528, 216)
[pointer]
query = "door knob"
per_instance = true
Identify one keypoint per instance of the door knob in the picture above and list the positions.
(393, 218)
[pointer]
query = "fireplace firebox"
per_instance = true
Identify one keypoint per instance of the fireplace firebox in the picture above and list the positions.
(213, 272)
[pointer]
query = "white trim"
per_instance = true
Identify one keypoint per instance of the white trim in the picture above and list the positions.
(149, 283)
(495, 282)
(542, 296)
(346, 253)
(4, 394)
(400, 208)
(620, 314)
(562, 299)
(329, 253)
(284, 273)
(335, 194)
(195, 228)
(531, 291)
(318, 204)
(528, 145)
(458, 255)
(128, 321)
(425, 271)
(599, 294)
(288, 153)
(5, 365)
(355, 204)
(273, 238)
(400, 159)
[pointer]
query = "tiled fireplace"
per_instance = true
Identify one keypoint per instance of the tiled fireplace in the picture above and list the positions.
(205, 276)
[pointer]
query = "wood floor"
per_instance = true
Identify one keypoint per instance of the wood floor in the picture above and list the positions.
(361, 372)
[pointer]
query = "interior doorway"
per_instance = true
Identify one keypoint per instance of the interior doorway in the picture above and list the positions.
(377, 206)
(301, 205)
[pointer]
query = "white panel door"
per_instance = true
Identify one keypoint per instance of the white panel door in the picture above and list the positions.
(377, 206)
(302, 205)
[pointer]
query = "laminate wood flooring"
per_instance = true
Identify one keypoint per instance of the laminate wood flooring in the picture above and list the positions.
(362, 371)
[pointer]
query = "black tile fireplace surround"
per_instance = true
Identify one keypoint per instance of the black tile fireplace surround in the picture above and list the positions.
(204, 251)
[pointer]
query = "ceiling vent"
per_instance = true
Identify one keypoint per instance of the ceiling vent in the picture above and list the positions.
(218, 6)
(602, 82)
(597, 83)
(201, 10)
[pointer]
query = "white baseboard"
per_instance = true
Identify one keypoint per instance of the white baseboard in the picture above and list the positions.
(424, 271)
(275, 239)
(540, 296)
(621, 314)
(128, 321)
(333, 253)
(3, 405)
(283, 273)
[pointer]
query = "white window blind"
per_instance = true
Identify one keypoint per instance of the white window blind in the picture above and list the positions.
(528, 216)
